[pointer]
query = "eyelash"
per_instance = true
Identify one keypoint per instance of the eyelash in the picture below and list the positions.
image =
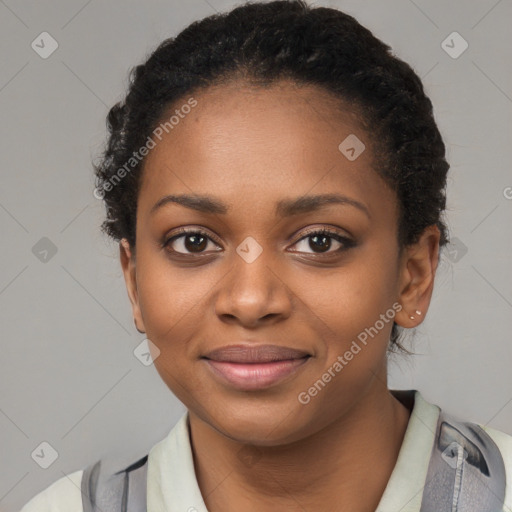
(345, 241)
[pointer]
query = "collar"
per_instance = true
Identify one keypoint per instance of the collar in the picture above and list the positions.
(173, 487)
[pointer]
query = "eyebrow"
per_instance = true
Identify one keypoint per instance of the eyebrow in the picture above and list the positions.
(284, 208)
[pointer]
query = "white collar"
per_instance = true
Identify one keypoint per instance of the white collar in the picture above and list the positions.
(173, 487)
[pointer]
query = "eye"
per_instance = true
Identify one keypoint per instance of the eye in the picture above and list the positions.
(196, 241)
(320, 241)
(189, 241)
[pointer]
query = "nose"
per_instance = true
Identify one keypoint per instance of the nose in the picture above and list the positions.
(253, 293)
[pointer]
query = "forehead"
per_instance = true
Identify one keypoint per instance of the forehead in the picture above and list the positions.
(265, 143)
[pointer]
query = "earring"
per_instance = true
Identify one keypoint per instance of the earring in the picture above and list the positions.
(135, 323)
(417, 312)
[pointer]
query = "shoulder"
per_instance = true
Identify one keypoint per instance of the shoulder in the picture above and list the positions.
(502, 439)
(504, 443)
(63, 495)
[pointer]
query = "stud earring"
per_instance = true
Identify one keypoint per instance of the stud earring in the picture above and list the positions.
(417, 312)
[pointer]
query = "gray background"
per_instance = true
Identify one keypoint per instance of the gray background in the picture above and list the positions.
(68, 375)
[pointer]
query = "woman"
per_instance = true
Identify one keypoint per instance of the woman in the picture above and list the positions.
(276, 182)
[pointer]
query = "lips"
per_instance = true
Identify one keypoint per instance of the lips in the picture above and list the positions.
(255, 354)
(254, 367)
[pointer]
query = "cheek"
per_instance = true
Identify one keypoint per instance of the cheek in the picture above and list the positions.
(353, 338)
(170, 299)
(348, 305)
(350, 299)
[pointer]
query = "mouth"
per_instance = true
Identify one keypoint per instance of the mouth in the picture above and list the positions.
(254, 367)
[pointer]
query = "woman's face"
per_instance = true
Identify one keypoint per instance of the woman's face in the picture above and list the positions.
(261, 160)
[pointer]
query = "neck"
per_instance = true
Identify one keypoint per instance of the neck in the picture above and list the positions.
(353, 458)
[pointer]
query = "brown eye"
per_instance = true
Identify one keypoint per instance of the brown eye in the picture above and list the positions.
(321, 241)
(189, 242)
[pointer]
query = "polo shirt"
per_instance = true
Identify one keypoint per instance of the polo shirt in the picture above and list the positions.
(172, 485)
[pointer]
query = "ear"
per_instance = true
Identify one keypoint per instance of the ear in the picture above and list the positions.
(417, 271)
(127, 258)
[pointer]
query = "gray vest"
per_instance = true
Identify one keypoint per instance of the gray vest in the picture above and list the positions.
(466, 473)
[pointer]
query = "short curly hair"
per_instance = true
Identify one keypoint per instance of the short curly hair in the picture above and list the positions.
(265, 43)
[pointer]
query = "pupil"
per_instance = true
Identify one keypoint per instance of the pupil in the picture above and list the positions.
(197, 244)
(323, 238)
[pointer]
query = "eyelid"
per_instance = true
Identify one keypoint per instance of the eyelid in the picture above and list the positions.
(324, 229)
(189, 230)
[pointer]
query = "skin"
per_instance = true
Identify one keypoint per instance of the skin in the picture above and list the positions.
(249, 148)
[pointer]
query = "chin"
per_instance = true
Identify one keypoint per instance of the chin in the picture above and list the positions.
(261, 425)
